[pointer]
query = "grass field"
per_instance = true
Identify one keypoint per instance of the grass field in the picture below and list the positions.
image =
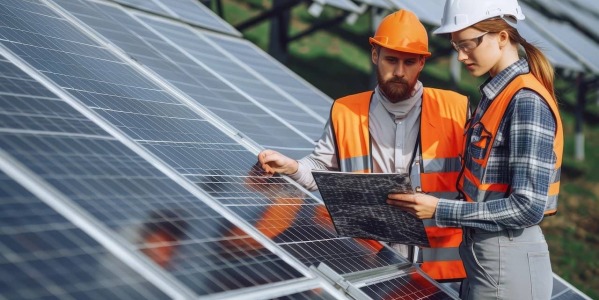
(337, 61)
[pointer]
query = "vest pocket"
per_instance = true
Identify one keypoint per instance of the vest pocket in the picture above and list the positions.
(480, 142)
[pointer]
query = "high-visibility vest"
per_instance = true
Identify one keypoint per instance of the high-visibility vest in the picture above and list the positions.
(441, 136)
(472, 183)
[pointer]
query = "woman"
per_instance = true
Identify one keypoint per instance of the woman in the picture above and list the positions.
(511, 159)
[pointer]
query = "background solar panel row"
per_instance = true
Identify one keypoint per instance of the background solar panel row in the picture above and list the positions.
(190, 11)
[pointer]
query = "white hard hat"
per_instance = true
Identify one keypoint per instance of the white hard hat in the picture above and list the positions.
(459, 14)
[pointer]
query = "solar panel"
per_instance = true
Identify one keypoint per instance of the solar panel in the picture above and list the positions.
(127, 194)
(195, 44)
(147, 5)
(193, 12)
(124, 141)
(563, 34)
(431, 11)
(555, 54)
(428, 11)
(43, 255)
(342, 4)
(562, 290)
(190, 11)
(188, 144)
(191, 78)
(378, 3)
(590, 5)
(410, 284)
(583, 17)
(276, 73)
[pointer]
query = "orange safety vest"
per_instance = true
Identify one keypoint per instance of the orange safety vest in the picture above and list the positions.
(441, 130)
(473, 183)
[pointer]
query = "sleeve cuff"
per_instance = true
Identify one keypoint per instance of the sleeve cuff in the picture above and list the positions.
(445, 212)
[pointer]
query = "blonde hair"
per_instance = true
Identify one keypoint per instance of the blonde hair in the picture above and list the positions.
(539, 66)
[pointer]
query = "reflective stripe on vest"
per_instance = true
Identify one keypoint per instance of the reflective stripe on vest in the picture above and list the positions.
(435, 170)
(473, 182)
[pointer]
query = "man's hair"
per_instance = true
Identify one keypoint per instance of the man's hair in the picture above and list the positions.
(377, 48)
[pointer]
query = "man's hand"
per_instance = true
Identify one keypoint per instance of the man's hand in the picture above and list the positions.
(420, 205)
(274, 162)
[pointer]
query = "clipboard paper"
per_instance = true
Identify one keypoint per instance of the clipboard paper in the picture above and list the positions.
(358, 208)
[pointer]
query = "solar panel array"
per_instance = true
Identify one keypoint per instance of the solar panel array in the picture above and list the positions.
(128, 135)
(117, 124)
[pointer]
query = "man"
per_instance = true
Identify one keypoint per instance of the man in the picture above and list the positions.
(399, 127)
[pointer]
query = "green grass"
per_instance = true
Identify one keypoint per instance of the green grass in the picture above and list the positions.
(337, 61)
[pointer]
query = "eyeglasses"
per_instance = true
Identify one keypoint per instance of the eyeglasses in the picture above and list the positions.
(468, 45)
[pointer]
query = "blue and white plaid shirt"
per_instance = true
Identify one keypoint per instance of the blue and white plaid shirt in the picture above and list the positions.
(522, 156)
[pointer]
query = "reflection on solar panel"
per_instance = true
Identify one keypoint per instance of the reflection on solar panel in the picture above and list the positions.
(135, 160)
(46, 256)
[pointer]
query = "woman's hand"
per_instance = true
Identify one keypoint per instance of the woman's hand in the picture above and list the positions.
(420, 205)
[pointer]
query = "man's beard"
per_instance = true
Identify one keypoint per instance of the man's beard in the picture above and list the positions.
(395, 89)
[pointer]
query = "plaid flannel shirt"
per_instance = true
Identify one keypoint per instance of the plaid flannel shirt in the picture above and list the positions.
(522, 156)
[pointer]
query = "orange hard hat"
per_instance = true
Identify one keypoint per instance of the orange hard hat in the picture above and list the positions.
(402, 31)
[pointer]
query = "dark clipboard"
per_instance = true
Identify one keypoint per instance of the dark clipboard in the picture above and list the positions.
(357, 205)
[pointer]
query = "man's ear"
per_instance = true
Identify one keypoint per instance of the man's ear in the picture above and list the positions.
(374, 55)
(421, 62)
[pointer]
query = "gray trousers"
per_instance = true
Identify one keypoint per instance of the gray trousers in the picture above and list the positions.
(510, 264)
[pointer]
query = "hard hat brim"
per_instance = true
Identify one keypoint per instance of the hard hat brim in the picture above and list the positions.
(399, 48)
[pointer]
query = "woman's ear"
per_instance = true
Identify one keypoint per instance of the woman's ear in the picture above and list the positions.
(503, 38)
